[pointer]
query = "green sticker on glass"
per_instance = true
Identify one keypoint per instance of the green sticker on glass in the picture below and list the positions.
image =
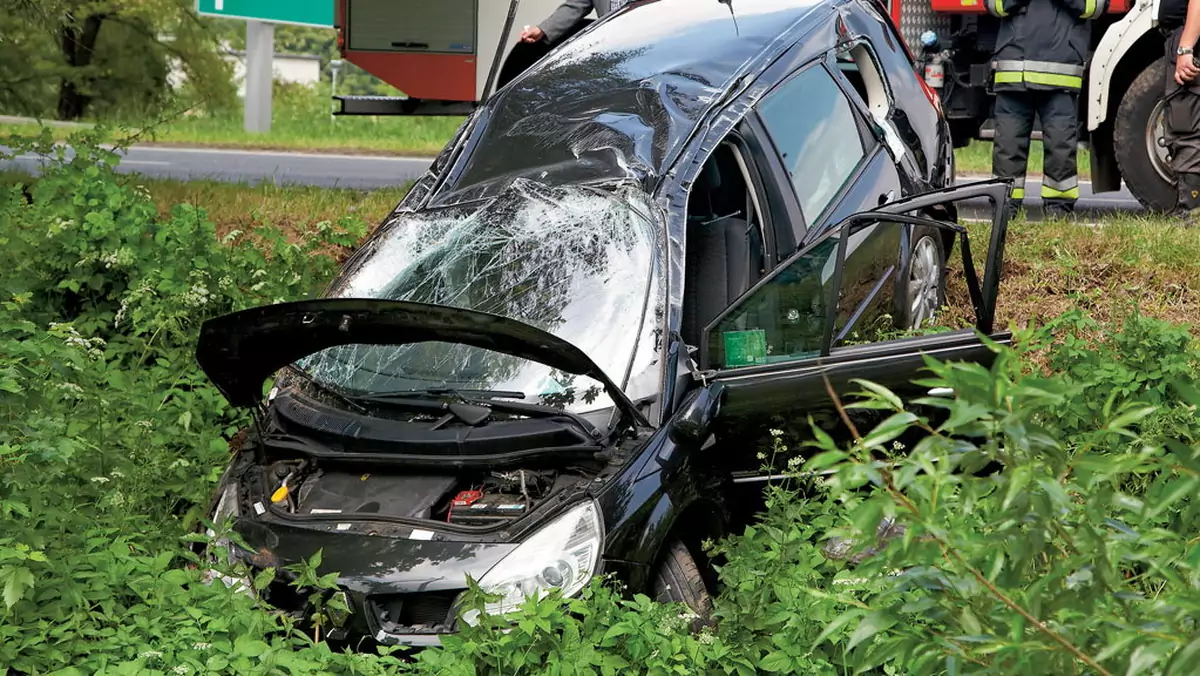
(745, 348)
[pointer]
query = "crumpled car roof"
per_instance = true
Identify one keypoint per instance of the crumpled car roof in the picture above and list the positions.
(622, 98)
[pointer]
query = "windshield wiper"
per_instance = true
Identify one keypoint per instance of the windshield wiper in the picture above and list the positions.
(442, 391)
(485, 401)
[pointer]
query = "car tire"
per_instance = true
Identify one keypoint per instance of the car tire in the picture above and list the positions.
(927, 248)
(679, 580)
(1148, 177)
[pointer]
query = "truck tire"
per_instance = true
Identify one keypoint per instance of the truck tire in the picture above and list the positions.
(679, 580)
(1135, 138)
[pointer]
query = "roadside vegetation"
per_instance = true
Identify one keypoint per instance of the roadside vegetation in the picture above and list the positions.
(1076, 552)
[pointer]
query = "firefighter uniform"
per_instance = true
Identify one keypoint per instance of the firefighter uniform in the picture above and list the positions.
(1181, 119)
(1038, 69)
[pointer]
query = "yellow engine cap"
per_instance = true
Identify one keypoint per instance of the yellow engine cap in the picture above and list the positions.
(280, 495)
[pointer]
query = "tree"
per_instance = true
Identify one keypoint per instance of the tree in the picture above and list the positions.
(66, 55)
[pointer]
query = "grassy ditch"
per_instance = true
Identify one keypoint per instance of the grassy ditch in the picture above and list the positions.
(1074, 552)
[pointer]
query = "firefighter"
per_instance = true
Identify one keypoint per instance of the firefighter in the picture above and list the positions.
(1038, 69)
(1179, 20)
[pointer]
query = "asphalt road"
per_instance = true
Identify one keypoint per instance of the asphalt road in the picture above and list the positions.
(256, 166)
(367, 172)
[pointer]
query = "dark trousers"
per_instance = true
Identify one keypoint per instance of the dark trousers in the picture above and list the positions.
(1057, 109)
(1181, 124)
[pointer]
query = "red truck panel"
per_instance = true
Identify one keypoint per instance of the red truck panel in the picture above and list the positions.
(438, 77)
(976, 6)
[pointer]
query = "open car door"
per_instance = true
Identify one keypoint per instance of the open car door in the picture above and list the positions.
(768, 355)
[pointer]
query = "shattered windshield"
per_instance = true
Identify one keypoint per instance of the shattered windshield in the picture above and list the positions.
(579, 263)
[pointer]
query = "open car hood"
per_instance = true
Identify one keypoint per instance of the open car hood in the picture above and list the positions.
(239, 351)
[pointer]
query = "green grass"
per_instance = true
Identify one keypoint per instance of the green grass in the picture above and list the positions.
(233, 206)
(420, 136)
(1120, 261)
(301, 121)
(976, 158)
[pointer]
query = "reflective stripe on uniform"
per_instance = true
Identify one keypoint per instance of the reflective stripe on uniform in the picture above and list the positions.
(1065, 184)
(1049, 73)
(1089, 9)
(1018, 186)
(995, 7)
(1047, 191)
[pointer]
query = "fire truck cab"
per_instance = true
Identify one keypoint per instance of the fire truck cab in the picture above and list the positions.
(446, 56)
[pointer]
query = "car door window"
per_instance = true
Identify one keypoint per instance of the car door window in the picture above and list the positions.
(813, 128)
(784, 319)
(817, 303)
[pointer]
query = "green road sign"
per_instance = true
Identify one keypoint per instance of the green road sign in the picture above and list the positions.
(299, 12)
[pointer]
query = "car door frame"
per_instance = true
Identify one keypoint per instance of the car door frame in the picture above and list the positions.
(799, 378)
(808, 227)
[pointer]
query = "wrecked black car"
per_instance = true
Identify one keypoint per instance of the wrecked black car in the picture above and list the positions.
(552, 360)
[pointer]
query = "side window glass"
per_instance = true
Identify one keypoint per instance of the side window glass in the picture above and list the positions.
(783, 320)
(893, 282)
(813, 128)
(867, 297)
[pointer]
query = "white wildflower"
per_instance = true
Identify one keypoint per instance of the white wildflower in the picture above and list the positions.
(99, 479)
(197, 296)
(201, 646)
(181, 669)
(150, 653)
(117, 473)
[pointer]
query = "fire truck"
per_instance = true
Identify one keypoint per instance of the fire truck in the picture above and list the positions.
(448, 56)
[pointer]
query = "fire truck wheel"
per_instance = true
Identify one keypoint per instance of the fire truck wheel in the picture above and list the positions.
(1137, 131)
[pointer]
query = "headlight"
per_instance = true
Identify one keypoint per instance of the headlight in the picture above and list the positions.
(227, 506)
(562, 555)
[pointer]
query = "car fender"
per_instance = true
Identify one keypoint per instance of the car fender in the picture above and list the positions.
(668, 518)
(1116, 43)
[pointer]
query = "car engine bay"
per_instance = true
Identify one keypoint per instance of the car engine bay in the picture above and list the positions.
(471, 498)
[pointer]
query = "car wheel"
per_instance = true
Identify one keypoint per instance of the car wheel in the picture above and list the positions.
(923, 284)
(1137, 140)
(679, 580)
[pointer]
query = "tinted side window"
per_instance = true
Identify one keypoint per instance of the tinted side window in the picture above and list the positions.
(813, 128)
(783, 320)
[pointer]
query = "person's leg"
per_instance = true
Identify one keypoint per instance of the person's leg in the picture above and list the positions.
(1181, 131)
(1013, 117)
(1182, 118)
(1058, 111)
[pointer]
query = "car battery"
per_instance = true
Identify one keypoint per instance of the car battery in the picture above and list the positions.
(486, 509)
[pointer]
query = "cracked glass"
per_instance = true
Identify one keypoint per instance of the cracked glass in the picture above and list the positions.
(583, 264)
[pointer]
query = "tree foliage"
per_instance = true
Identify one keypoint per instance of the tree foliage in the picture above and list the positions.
(71, 59)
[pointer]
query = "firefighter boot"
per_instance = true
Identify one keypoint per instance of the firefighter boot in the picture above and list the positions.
(1189, 199)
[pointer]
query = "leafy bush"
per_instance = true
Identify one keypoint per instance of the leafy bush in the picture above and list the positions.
(1045, 523)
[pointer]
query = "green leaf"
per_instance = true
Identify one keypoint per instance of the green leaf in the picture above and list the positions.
(777, 661)
(1186, 661)
(263, 579)
(881, 392)
(873, 623)
(838, 622)
(889, 429)
(19, 580)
